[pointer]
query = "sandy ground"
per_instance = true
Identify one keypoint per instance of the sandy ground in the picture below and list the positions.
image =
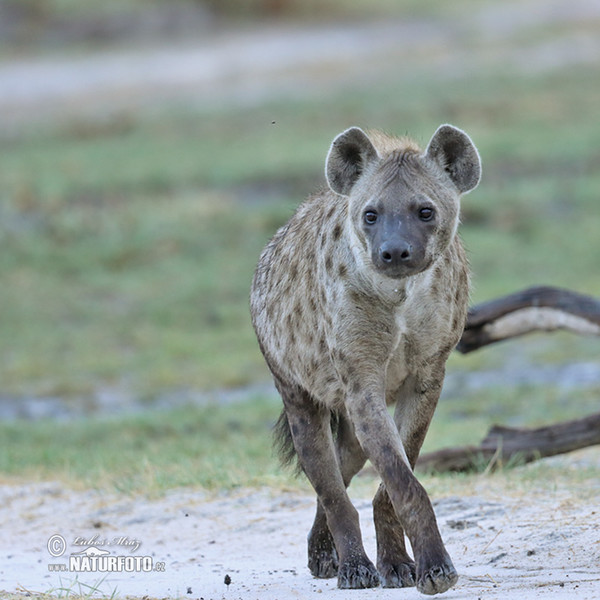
(545, 547)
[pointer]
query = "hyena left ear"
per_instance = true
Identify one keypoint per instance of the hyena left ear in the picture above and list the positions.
(350, 153)
(454, 152)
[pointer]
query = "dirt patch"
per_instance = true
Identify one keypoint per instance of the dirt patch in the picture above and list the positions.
(251, 544)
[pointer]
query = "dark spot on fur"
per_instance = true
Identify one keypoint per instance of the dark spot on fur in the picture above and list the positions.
(355, 387)
(356, 298)
(330, 213)
(312, 304)
(445, 350)
(323, 239)
(322, 345)
(328, 264)
(342, 271)
(337, 232)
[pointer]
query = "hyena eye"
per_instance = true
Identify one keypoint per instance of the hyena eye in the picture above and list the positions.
(426, 214)
(370, 217)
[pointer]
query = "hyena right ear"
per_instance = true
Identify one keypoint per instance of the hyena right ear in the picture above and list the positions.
(349, 155)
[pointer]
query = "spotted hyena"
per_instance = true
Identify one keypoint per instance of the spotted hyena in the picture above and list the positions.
(357, 302)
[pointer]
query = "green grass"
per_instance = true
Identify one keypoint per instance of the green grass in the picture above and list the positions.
(127, 246)
(466, 420)
(151, 291)
(212, 447)
(225, 447)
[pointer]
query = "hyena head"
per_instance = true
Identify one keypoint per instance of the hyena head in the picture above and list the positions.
(403, 203)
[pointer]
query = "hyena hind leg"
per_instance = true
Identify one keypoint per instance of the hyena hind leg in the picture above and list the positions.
(310, 426)
(322, 555)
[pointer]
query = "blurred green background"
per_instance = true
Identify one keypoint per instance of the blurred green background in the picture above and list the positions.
(149, 150)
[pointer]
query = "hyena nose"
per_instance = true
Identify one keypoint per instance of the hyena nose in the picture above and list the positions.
(395, 253)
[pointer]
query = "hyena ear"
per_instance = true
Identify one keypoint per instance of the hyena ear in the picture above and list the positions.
(453, 150)
(349, 155)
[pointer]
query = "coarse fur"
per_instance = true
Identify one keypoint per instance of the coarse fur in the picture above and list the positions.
(357, 303)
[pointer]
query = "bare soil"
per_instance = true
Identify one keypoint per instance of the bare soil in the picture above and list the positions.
(506, 544)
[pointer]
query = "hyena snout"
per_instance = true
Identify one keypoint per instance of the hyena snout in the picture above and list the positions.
(399, 257)
(394, 253)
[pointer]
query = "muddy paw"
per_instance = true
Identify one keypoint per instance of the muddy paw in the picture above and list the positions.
(397, 575)
(323, 564)
(437, 579)
(357, 574)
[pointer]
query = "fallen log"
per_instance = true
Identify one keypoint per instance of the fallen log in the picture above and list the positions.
(533, 309)
(502, 445)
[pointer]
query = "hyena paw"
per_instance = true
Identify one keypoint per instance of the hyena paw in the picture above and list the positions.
(437, 579)
(358, 573)
(397, 575)
(323, 563)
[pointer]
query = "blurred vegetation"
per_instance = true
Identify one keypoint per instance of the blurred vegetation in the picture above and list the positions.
(127, 245)
(27, 25)
(152, 453)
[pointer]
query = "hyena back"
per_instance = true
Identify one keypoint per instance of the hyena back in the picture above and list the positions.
(357, 303)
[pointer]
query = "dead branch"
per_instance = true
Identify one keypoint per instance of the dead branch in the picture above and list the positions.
(503, 444)
(533, 309)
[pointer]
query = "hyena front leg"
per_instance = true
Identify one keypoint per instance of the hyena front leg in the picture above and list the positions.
(311, 432)
(381, 442)
(415, 405)
(322, 554)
